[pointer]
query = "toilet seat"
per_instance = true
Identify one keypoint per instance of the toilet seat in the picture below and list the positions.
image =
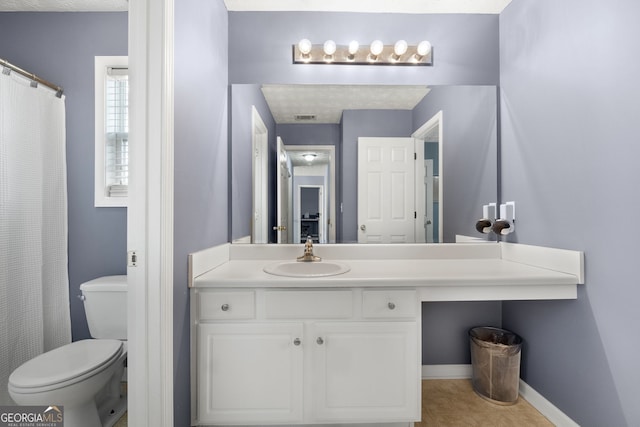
(65, 365)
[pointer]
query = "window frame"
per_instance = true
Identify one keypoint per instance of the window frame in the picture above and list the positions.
(101, 198)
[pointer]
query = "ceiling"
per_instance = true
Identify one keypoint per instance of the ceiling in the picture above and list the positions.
(327, 102)
(379, 6)
(375, 6)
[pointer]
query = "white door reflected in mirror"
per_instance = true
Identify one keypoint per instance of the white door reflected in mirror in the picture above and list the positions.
(388, 209)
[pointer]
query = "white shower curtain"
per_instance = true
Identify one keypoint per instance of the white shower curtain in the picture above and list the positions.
(34, 291)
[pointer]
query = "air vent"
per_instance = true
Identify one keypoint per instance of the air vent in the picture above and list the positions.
(304, 117)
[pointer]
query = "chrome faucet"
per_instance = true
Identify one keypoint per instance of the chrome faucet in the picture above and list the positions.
(308, 252)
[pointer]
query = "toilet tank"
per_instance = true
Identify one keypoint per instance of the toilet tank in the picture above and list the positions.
(105, 304)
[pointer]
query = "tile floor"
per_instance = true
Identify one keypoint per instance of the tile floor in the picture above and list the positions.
(122, 422)
(453, 403)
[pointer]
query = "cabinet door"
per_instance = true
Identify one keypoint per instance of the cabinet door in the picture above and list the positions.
(249, 373)
(366, 371)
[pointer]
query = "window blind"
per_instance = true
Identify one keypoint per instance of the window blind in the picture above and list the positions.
(117, 132)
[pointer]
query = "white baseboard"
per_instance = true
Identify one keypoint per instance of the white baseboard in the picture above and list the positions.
(546, 408)
(538, 401)
(446, 372)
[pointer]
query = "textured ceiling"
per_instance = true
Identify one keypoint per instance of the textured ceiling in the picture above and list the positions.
(63, 5)
(327, 102)
(379, 6)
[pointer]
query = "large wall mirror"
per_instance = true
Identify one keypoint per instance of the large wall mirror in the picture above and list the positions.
(361, 163)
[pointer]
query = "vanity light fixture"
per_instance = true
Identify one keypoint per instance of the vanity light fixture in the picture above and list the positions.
(309, 157)
(378, 53)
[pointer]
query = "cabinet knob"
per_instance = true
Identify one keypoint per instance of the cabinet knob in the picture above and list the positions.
(225, 307)
(296, 341)
(391, 306)
(320, 341)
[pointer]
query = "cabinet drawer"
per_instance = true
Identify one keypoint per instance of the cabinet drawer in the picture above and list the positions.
(389, 304)
(309, 304)
(226, 305)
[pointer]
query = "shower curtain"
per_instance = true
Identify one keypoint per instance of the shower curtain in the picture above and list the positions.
(34, 291)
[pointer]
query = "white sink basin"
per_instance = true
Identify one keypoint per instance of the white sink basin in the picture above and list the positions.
(306, 269)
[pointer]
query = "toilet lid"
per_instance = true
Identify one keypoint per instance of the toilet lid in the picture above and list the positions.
(66, 363)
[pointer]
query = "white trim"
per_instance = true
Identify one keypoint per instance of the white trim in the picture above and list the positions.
(150, 214)
(420, 192)
(259, 145)
(101, 63)
(546, 408)
(421, 133)
(535, 399)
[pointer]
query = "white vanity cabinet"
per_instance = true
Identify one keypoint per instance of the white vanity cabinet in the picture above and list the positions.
(305, 356)
(249, 373)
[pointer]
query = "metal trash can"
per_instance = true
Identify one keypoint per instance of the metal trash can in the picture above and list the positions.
(495, 364)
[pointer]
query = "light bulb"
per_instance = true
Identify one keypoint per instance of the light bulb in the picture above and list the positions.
(309, 157)
(329, 47)
(424, 47)
(376, 47)
(304, 46)
(400, 48)
(353, 47)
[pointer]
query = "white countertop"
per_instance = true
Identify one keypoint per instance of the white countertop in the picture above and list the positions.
(455, 272)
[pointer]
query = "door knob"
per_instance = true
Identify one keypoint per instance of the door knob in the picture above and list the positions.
(296, 341)
(363, 227)
(320, 341)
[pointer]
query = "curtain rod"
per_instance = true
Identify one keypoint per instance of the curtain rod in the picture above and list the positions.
(32, 76)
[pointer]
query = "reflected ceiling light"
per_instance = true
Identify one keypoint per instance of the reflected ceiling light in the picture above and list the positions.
(400, 53)
(309, 157)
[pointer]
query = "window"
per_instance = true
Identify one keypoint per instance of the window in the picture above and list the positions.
(111, 130)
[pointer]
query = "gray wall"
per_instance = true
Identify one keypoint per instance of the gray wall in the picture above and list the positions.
(201, 159)
(465, 47)
(60, 47)
(309, 134)
(241, 183)
(469, 152)
(570, 92)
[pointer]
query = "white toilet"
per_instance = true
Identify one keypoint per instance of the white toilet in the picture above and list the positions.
(84, 376)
